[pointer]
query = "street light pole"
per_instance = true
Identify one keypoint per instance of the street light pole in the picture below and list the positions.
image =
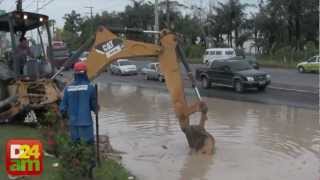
(91, 17)
(156, 21)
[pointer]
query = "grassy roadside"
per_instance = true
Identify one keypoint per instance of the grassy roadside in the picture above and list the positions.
(267, 61)
(108, 170)
(195, 60)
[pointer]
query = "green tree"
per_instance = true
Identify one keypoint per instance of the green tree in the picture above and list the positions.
(228, 19)
(71, 29)
(281, 23)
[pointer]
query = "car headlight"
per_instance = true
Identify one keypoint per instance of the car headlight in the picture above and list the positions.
(250, 79)
(268, 76)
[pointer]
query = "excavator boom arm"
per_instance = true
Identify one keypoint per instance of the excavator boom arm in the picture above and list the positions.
(108, 48)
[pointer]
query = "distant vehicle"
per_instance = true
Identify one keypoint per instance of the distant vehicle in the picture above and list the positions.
(84, 56)
(60, 54)
(123, 67)
(233, 73)
(250, 59)
(152, 71)
(217, 53)
(311, 65)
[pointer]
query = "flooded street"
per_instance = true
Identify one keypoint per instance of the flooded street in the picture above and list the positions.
(253, 141)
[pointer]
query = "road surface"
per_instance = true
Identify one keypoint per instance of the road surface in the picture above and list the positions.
(288, 87)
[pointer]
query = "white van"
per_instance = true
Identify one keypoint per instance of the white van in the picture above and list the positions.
(218, 53)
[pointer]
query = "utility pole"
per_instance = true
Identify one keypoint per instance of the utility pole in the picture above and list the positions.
(37, 4)
(156, 21)
(37, 10)
(91, 11)
(19, 5)
(319, 44)
(168, 13)
(91, 17)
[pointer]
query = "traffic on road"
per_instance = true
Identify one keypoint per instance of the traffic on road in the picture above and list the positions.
(283, 86)
(159, 89)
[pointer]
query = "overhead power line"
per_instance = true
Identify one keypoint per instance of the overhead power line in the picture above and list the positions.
(45, 5)
(29, 5)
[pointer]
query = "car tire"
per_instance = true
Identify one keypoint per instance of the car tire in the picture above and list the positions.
(262, 88)
(161, 78)
(238, 86)
(301, 69)
(205, 83)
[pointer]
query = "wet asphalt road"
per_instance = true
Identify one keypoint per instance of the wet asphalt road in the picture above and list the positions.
(285, 79)
(288, 87)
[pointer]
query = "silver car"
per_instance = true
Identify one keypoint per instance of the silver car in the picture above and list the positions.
(123, 67)
(152, 72)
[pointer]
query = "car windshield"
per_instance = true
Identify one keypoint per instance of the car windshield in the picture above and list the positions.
(236, 58)
(124, 63)
(313, 59)
(218, 52)
(240, 66)
(229, 52)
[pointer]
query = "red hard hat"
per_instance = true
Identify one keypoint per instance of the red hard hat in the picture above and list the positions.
(80, 67)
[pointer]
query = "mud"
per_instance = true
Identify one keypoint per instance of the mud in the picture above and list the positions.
(253, 141)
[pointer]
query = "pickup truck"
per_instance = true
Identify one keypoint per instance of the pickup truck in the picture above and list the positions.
(236, 74)
(60, 54)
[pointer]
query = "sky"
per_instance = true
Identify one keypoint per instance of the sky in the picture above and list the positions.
(56, 9)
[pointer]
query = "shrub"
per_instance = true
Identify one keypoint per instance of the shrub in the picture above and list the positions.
(48, 121)
(194, 51)
(287, 54)
(76, 158)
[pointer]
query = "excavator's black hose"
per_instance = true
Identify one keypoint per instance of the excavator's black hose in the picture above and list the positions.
(183, 59)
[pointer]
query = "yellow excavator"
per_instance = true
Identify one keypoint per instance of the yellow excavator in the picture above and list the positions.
(106, 47)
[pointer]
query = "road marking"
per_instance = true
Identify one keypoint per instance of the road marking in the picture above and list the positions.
(295, 90)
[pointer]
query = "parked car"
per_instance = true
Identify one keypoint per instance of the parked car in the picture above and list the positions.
(237, 74)
(311, 65)
(217, 54)
(152, 71)
(250, 59)
(123, 67)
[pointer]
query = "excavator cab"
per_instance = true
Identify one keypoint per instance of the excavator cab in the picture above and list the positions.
(29, 88)
(17, 24)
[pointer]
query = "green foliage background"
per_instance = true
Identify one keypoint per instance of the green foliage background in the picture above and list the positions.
(282, 30)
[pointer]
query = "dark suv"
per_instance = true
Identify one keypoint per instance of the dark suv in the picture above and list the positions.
(233, 73)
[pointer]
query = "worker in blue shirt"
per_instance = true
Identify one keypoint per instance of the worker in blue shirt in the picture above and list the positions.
(78, 101)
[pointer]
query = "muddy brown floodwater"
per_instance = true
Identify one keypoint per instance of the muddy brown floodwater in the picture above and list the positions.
(253, 141)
